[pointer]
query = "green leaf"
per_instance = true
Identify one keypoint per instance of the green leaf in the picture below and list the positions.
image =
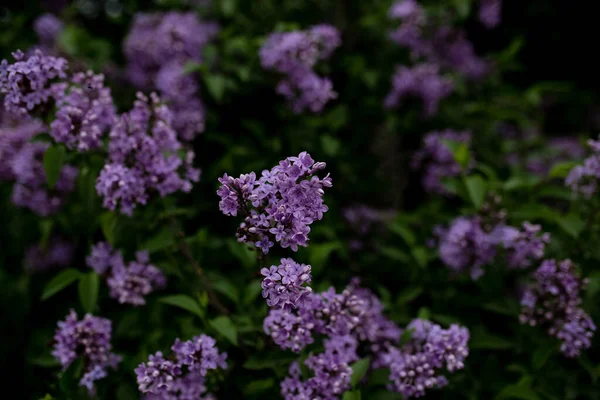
(252, 291)
(69, 380)
(404, 232)
(571, 224)
(541, 356)
(260, 386)
(517, 392)
(359, 369)
(240, 251)
(462, 155)
(184, 301)
(59, 282)
(89, 284)
(216, 86)
(420, 256)
(263, 361)
(320, 252)
(331, 145)
(227, 288)
(163, 239)
(505, 307)
(225, 327)
(394, 254)
(54, 158)
(408, 295)
(46, 361)
(519, 182)
(228, 7)
(108, 224)
(482, 340)
(423, 313)
(352, 395)
(477, 189)
(406, 336)
(562, 169)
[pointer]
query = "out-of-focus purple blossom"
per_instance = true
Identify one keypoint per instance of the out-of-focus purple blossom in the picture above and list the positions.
(553, 302)
(423, 81)
(295, 54)
(490, 13)
(57, 253)
(523, 247)
(466, 247)
(84, 114)
(143, 158)
(558, 149)
(14, 136)
(278, 207)
(88, 338)
(103, 257)
(363, 220)
(48, 27)
(283, 285)
(417, 365)
(182, 376)
(437, 160)
(32, 82)
(583, 179)
(129, 284)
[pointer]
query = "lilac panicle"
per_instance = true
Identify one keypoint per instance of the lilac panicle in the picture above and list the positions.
(48, 27)
(522, 247)
(14, 136)
(199, 354)
(553, 302)
(31, 83)
(279, 206)
(289, 329)
(103, 257)
(490, 13)
(57, 253)
(157, 374)
(283, 285)
(583, 178)
(88, 338)
(423, 81)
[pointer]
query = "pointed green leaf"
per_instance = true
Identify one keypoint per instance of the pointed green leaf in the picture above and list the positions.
(227, 288)
(225, 327)
(59, 282)
(54, 159)
(409, 295)
(352, 395)
(359, 369)
(477, 189)
(89, 285)
(571, 224)
(562, 169)
(185, 302)
(216, 86)
(163, 239)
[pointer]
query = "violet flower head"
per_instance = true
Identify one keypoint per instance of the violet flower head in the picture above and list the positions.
(437, 160)
(423, 81)
(466, 247)
(143, 158)
(31, 83)
(553, 302)
(199, 354)
(14, 136)
(289, 329)
(157, 374)
(129, 284)
(58, 253)
(490, 13)
(88, 338)
(283, 285)
(278, 207)
(295, 54)
(583, 179)
(523, 247)
(85, 113)
(103, 258)
(48, 27)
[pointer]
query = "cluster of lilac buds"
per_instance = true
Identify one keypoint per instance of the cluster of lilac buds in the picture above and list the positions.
(31, 84)
(583, 178)
(278, 207)
(418, 365)
(128, 283)
(283, 285)
(183, 375)
(157, 49)
(553, 302)
(84, 114)
(522, 246)
(88, 339)
(437, 159)
(56, 253)
(143, 158)
(295, 55)
(48, 27)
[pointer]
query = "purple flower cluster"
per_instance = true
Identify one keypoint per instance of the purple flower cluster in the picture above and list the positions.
(283, 285)
(490, 13)
(363, 220)
(182, 376)
(48, 27)
(466, 246)
(157, 48)
(57, 253)
(14, 136)
(89, 339)
(437, 42)
(84, 114)
(295, 54)
(553, 302)
(331, 370)
(423, 81)
(584, 178)
(30, 83)
(143, 158)
(437, 160)
(128, 283)
(417, 366)
(285, 201)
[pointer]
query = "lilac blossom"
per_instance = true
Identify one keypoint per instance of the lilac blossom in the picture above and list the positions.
(490, 13)
(553, 302)
(423, 81)
(295, 54)
(181, 376)
(437, 160)
(84, 114)
(278, 207)
(466, 247)
(103, 257)
(522, 246)
(32, 83)
(143, 158)
(14, 136)
(56, 253)
(289, 329)
(283, 285)
(88, 338)
(583, 178)
(48, 27)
